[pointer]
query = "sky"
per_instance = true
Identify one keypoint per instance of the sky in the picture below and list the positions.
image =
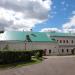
(38, 15)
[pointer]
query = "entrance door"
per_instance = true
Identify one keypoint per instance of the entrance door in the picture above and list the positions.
(72, 51)
(49, 51)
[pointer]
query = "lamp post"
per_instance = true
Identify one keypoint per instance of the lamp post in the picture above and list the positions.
(25, 44)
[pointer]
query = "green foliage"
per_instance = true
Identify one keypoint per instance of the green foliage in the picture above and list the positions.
(28, 38)
(18, 56)
(37, 53)
(6, 47)
(20, 64)
(14, 56)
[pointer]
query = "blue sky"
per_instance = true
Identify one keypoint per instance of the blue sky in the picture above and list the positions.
(38, 15)
(61, 12)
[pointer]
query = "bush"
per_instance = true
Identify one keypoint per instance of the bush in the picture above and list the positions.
(6, 47)
(14, 56)
(37, 53)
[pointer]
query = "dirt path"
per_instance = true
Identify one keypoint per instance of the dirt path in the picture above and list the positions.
(62, 65)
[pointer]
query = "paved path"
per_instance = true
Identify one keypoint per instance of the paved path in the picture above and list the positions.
(59, 65)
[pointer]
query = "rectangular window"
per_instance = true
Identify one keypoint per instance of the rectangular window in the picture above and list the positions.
(63, 41)
(66, 41)
(67, 50)
(72, 41)
(60, 41)
(57, 40)
(49, 51)
(62, 50)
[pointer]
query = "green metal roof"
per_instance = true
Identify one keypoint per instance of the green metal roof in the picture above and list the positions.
(59, 34)
(34, 36)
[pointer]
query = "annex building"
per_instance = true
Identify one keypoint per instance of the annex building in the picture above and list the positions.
(53, 43)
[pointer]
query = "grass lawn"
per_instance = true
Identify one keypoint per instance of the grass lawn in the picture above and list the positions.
(20, 64)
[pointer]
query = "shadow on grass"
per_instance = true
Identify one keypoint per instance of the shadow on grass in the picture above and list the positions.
(19, 64)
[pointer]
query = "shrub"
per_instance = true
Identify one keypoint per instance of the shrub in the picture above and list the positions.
(38, 53)
(14, 56)
(6, 47)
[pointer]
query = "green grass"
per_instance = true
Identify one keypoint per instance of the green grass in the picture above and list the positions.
(20, 64)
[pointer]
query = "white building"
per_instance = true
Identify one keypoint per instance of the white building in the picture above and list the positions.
(52, 43)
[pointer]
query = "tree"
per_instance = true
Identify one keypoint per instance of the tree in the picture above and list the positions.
(6, 47)
(28, 39)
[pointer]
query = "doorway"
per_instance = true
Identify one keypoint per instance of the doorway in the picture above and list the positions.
(72, 51)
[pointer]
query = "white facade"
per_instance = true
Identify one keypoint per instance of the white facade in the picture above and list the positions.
(66, 45)
(14, 45)
(60, 45)
(51, 48)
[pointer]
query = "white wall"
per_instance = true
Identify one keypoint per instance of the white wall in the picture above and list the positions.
(65, 45)
(46, 45)
(56, 48)
(66, 38)
(12, 45)
(15, 45)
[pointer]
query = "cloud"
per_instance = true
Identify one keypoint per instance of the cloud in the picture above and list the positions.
(23, 14)
(63, 2)
(50, 30)
(2, 37)
(73, 12)
(70, 24)
(69, 30)
(58, 30)
(20, 5)
(66, 27)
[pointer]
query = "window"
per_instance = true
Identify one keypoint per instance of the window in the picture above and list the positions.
(67, 50)
(60, 41)
(49, 51)
(63, 41)
(66, 41)
(57, 40)
(62, 50)
(72, 41)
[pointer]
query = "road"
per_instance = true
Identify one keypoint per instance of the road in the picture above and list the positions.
(53, 65)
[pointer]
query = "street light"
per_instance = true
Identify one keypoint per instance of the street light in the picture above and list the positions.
(25, 44)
